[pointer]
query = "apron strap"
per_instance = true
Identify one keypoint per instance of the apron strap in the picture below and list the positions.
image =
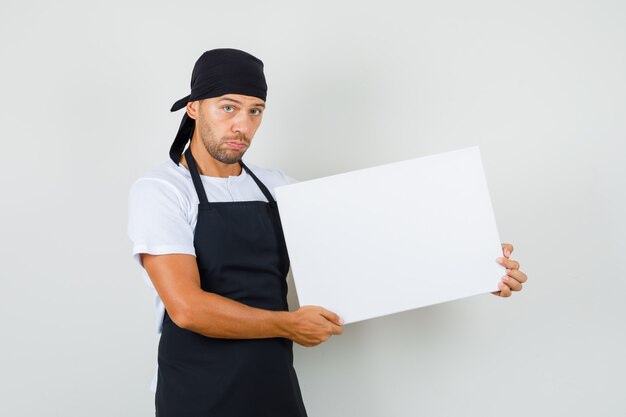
(262, 186)
(195, 176)
(197, 182)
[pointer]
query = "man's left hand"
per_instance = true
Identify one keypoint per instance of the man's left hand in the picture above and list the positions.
(514, 278)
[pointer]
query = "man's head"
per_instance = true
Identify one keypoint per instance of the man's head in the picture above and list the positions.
(216, 74)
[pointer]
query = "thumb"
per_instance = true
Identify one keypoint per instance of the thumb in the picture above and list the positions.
(507, 249)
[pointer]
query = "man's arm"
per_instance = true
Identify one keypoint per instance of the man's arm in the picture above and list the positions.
(177, 281)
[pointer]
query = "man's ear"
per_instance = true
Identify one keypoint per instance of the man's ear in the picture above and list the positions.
(192, 109)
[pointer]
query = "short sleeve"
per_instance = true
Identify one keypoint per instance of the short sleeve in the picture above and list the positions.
(287, 179)
(279, 178)
(157, 219)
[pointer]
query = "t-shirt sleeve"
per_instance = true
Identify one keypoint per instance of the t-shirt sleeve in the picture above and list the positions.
(287, 179)
(157, 219)
(280, 178)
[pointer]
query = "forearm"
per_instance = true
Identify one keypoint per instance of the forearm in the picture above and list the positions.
(215, 316)
(177, 281)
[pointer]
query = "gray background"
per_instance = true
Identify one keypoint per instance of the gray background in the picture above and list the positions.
(539, 85)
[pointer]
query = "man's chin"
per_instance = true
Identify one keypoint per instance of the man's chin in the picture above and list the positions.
(230, 157)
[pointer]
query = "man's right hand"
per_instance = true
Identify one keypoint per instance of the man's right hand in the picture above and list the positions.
(312, 325)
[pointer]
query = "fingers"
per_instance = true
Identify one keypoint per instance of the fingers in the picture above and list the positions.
(505, 291)
(335, 321)
(508, 263)
(330, 316)
(315, 325)
(517, 275)
(512, 283)
(336, 330)
(507, 249)
(514, 278)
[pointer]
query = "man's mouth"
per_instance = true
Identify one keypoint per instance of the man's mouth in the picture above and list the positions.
(239, 146)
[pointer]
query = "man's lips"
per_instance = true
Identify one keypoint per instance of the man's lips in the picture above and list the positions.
(237, 145)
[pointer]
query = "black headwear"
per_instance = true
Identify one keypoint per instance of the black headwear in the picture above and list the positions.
(218, 72)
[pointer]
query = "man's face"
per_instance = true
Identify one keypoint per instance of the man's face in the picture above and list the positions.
(227, 124)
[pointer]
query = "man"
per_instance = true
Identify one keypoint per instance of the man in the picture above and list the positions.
(206, 229)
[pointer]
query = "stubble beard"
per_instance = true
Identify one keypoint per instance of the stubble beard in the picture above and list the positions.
(213, 146)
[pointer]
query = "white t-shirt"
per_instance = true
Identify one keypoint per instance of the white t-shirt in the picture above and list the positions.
(163, 209)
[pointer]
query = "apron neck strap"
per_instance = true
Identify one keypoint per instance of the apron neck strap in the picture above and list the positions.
(195, 176)
(197, 182)
(262, 186)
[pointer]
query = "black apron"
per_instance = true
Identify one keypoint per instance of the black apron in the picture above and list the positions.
(241, 254)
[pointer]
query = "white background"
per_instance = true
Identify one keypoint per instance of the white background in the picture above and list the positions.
(539, 85)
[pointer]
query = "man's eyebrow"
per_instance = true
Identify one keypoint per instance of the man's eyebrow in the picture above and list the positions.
(240, 103)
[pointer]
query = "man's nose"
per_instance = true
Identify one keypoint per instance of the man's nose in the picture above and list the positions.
(242, 123)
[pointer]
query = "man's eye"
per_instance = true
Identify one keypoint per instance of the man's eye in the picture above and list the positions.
(228, 109)
(255, 112)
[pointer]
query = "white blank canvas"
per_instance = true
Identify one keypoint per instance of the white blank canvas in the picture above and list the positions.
(392, 238)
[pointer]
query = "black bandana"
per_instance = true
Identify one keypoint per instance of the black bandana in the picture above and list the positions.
(218, 72)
